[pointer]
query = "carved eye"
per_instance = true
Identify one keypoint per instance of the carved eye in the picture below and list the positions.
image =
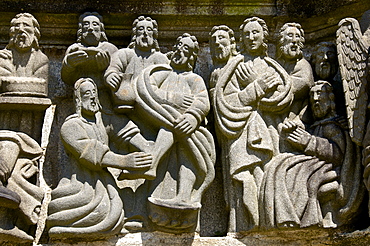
(95, 23)
(150, 29)
(330, 53)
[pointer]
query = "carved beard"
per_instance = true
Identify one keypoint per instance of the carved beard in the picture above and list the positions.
(91, 38)
(90, 106)
(320, 110)
(23, 40)
(144, 42)
(179, 59)
(325, 70)
(221, 52)
(290, 50)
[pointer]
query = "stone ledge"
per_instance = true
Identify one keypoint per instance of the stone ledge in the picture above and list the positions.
(270, 238)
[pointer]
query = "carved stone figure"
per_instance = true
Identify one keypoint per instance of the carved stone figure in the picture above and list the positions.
(223, 48)
(175, 102)
(252, 96)
(86, 202)
(22, 57)
(290, 56)
(23, 79)
(24, 71)
(128, 63)
(321, 187)
(325, 67)
(20, 197)
(90, 56)
(325, 61)
(353, 54)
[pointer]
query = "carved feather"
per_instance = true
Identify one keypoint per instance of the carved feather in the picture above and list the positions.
(352, 57)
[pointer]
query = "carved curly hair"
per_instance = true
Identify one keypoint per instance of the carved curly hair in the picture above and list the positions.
(155, 31)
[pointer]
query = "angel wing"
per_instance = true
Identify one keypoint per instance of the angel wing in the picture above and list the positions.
(352, 57)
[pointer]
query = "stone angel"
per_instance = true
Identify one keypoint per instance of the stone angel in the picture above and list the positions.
(353, 54)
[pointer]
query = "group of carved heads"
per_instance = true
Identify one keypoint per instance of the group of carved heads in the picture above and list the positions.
(93, 64)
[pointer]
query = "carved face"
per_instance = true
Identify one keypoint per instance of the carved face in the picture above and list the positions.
(326, 64)
(292, 44)
(89, 99)
(220, 45)
(253, 37)
(91, 30)
(184, 51)
(24, 33)
(144, 35)
(320, 102)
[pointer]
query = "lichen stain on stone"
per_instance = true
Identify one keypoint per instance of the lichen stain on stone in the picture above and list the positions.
(217, 7)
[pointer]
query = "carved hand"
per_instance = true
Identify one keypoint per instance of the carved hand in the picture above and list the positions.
(245, 73)
(113, 81)
(138, 161)
(180, 99)
(289, 126)
(268, 82)
(186, 124)
(299, 138)
(187, 101)
(76, 58)
(102, 59)
(5, 54)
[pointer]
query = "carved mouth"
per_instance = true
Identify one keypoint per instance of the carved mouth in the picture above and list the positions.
(324, 64)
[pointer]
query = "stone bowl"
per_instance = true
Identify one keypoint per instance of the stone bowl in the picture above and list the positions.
(169, 216)
(23, 86)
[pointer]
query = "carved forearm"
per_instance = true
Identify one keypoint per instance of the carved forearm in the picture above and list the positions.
(324, 150)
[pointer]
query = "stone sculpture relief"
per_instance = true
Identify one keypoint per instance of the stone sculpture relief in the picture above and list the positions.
(24, 71)
(22, 57)
(87, 203)
(90, 56)
(261, 114)
(140, 156)
(333, 178)
(325, 66)
(24, 77)
(176, 101)
(128, 63)
(353, 54)
(250, 89)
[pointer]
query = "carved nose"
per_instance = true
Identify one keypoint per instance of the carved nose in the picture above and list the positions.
(20, 27)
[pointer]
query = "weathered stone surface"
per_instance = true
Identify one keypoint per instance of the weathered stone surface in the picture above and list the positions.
(58, 25)
(24, 82)
(86, 202)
